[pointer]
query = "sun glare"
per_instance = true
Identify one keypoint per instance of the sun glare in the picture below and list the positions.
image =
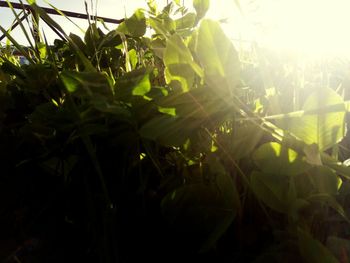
(315, 27)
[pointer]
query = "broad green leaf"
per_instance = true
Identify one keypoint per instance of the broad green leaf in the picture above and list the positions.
(112, 39)
(204, 209)
(323, 128)
(176, 51)
(325, 180)
(135, 25)
(133, 83)
(273, 158)
(244, 140)
(330, 201)
(186, 21)
(87, 83)
(201, 7)
(78, 42)
(312, 250)
(158, 47)
(168, 130)
(197, 103)
(230, 200)
(218, 57)
(178, 60)
(180, 76)
(272, 190)
(162, 25)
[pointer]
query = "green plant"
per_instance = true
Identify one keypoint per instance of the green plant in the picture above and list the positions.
(137, 145)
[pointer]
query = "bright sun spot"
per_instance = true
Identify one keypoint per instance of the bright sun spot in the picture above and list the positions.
(315, 27)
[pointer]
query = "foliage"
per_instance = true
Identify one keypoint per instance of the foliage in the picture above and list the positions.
(156, 141)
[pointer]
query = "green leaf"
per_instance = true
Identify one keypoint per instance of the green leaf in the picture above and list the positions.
(133, 58)
(218, 57)
(92, 38)
(135, 25)
(245, 139)
(330, 201)
(133, 83)
(198, 103)
(112, 39)
(187, 21)
(312, 250)
(158, 47)
(273, 158)
(204, 210)
(42, 50)
(201, 7)
(325, 180)
(272, 190)
(323, 128)
(178, 61)
(168, 130)
(162, 25)
(78, 42)
(87, 83)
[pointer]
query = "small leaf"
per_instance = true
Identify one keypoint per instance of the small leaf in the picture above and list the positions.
(133, 58)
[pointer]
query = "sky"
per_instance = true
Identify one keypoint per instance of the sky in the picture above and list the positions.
(309, 26)
(105, 8)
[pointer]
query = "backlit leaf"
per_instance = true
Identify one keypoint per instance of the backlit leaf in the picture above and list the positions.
(218, 57)
(201, 7)
(135, 25)
(322, 128)
(273, 158)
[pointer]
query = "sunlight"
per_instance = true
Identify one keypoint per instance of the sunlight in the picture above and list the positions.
(314, 27)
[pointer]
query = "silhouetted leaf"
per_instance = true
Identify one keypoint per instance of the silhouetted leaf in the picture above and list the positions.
(312, 250)
(273, 158)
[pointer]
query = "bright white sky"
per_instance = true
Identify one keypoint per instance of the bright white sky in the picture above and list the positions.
(310, 26)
